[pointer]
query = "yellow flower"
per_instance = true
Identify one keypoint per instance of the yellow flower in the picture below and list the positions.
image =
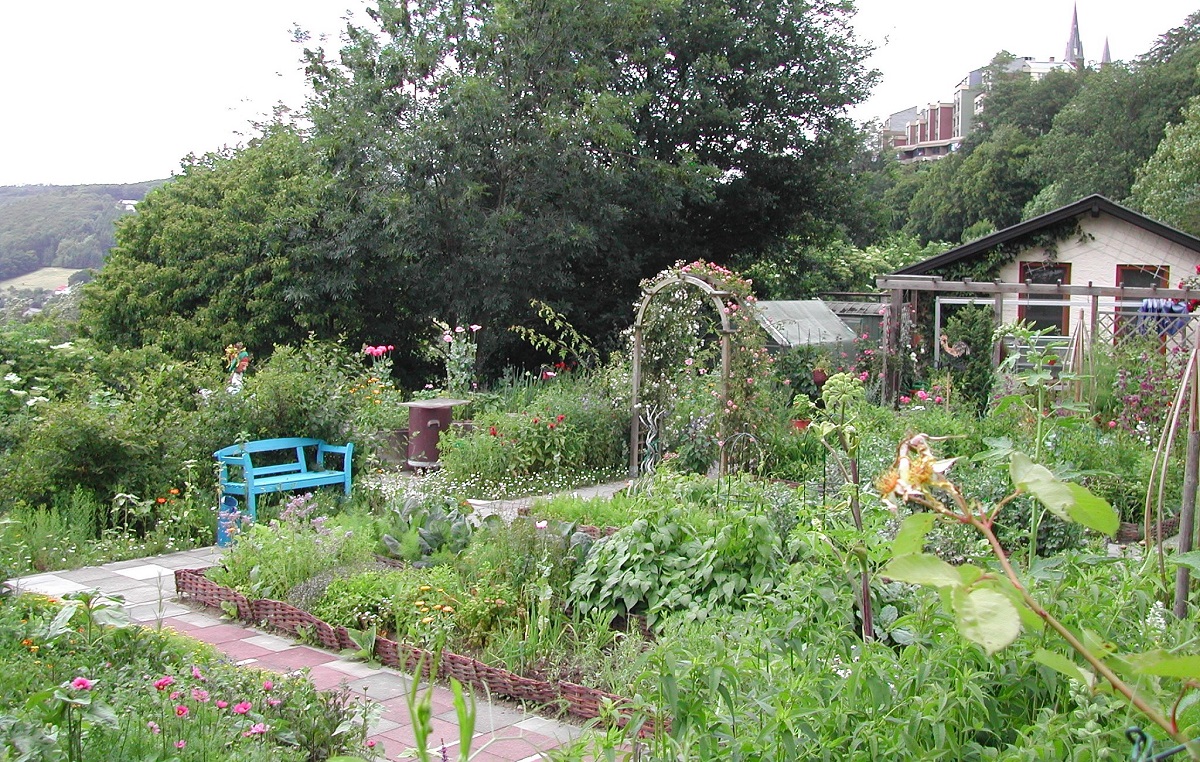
(447, 609)
(424, 588)
(419, 603)
(427, 620)
(437, 607)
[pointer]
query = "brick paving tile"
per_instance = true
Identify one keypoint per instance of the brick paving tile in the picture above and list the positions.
(295, 658)
(402, 738)
(326, 679)
(238, 650)
(504, 747)
(222, 633)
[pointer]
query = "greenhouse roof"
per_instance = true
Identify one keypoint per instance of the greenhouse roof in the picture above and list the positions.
(798, 323)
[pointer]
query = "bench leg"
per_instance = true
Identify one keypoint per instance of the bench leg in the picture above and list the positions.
(250, 507)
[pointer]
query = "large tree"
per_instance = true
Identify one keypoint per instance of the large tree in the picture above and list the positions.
(562, 151)
(206, 261)
(1168, 186)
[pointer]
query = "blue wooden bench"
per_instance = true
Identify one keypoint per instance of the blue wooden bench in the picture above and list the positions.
(284, 467)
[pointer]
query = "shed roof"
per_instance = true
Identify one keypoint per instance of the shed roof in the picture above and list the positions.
(1094, 205)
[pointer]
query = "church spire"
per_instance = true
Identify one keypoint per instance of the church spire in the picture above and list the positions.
(1105, 57)
(1074, 42)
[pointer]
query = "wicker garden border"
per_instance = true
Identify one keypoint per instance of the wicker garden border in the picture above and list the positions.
(579, 700)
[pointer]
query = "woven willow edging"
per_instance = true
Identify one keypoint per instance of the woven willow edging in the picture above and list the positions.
(579, 700)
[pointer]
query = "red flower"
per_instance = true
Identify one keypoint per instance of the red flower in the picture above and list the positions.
(492, 431)
(560, 418)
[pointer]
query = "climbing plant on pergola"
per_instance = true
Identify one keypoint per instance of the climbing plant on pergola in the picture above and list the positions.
(744, 359)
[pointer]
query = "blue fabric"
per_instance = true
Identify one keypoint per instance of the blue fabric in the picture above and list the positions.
(1162, 316)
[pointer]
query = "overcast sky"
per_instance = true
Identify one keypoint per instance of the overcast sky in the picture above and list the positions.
(118, 92)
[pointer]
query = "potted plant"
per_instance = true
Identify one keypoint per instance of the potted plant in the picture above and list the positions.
(803, 410)
(820, 371)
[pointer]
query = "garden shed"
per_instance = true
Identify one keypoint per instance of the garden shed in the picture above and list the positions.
(1090, 264)
(808, 322)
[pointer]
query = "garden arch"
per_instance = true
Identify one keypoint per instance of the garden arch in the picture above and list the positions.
(721, 299)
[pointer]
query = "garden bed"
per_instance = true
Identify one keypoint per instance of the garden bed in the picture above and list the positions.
(578, 700)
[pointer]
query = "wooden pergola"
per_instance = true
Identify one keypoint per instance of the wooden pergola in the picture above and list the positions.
(1088, 297)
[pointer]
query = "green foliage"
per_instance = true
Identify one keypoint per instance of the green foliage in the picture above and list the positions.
(972, 372)
(271, 559)
(1115, 123)
(60, 665)
(678, 561)
(800, 270)
(423, 528)
(991, 183)
(569, 346)
(207, 261)
(1166, 185)
(572, 423)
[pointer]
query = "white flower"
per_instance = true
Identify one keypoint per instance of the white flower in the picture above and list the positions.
(64, 345)
(18, 392)
(12, 378)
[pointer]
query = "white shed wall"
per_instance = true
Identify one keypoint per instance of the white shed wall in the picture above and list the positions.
(1106, 242)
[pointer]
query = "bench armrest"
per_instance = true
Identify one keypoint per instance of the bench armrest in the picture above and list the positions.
(346, 451)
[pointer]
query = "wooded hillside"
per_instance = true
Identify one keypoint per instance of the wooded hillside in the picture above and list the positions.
(60, 225)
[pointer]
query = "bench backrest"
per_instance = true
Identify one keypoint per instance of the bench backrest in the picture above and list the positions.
(267, 445)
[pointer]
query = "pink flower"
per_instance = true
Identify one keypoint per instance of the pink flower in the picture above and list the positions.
(938, 399)
(180, 743)
(1112, 424)
(370, 743)
(268, 685)
(200, 695)
(162, 683)
(222, 704)
(174, 695)
(181, 711)
(196, 674)
(257, 729)
(154, 728)
(82, 684)
(922, 395)
(273, 702)
(688, 361)
(241, 707)
(447, 338)
(905, 400)
(475, 328)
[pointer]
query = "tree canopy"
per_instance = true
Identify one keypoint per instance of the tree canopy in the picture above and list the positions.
(543, 149)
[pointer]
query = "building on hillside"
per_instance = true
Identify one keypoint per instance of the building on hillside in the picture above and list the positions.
(939, 128)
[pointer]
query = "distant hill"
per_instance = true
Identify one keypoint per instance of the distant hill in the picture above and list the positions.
(61, 225)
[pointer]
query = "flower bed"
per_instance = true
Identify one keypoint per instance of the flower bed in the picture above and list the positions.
(580, 700)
